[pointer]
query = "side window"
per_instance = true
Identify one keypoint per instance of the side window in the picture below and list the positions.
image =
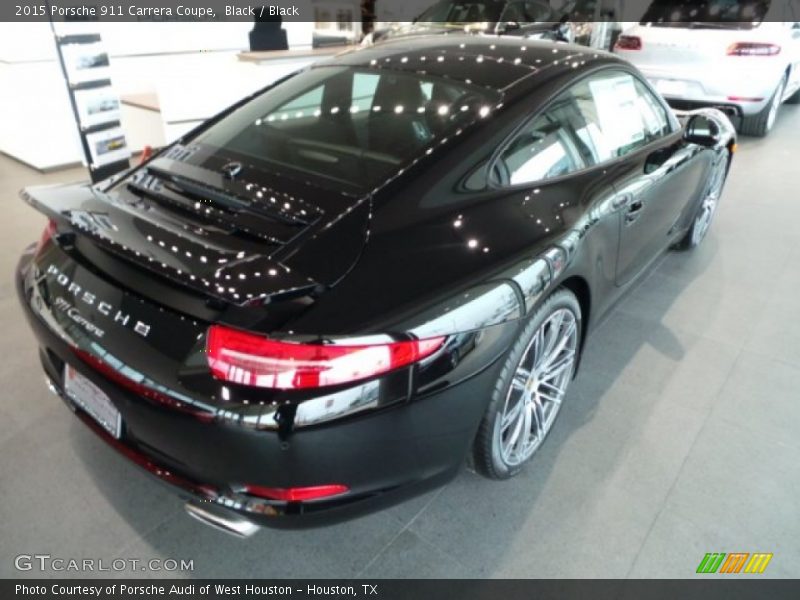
(652, 112)
(601, 118)
(619, 115)
(544, 149)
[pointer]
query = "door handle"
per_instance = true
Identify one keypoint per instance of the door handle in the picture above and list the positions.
(633, 212)
(635, 207)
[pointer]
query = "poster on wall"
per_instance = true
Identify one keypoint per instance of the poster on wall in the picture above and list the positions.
(107, 146)
(97, 106)
(87, 71)
(85, 62)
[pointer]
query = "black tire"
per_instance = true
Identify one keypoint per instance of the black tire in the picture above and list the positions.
(759, 125)
(486, 456)
(692, 239)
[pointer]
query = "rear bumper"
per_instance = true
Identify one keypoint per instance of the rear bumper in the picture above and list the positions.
(383, 457)
(747, 90)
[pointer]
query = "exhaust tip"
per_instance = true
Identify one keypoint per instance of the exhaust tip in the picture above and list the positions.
(221, 518)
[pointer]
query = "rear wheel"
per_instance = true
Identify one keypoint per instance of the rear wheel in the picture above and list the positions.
(532, 385)
(708, 205)
(761, 124)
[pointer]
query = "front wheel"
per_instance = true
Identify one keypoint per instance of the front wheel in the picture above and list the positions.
(708, 205)
(530, 389)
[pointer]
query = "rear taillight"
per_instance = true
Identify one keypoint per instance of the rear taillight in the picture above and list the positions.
(297, 494)
(248, 359)
(753, 49)
(47, 235)
(628, 42)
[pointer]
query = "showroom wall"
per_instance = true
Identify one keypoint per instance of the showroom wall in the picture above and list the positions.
(192, 70)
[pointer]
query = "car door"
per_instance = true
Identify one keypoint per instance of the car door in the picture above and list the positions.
(655, 179)
(553, 185)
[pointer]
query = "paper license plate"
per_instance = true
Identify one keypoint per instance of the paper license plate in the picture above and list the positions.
(93, 401)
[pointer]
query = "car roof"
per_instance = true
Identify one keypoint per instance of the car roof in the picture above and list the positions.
(493, 62)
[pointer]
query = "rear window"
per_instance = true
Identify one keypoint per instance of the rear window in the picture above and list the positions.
(739, 14)
(341, 125)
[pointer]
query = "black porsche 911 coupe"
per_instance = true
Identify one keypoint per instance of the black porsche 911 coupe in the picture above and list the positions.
(325, 298)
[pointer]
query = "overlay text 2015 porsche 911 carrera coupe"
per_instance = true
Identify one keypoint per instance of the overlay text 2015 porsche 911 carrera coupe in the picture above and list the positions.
(325, 298)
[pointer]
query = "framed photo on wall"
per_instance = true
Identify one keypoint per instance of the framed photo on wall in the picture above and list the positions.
(107, 146)
(96, 106)
(85, 62)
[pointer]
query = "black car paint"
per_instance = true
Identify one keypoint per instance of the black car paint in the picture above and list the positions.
(395, 253)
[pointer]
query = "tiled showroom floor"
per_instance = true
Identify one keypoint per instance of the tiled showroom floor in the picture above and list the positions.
(679, 437)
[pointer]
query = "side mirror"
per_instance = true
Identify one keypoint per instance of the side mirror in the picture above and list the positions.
(702, 131)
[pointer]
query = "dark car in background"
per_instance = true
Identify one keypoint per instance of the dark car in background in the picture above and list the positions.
(520, 18)
(325, 298)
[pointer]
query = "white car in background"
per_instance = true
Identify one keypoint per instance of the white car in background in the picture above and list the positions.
(741, 56)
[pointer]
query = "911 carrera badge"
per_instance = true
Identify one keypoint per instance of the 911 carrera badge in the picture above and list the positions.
(83, 297)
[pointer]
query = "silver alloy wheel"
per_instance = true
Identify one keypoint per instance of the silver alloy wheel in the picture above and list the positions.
(708, 207)
(538, 387)
(776, 104)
